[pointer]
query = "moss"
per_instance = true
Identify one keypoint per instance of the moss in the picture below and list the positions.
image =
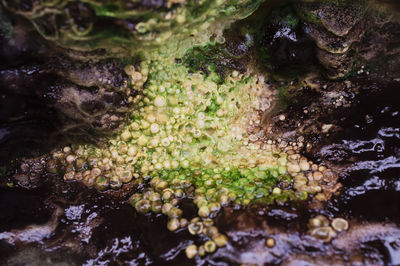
(211, 58)
(201, 141)
(127, 26)
(309, 17)
(192, 130)
(291, 20)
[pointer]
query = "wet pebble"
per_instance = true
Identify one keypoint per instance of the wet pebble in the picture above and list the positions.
(340, 224)
(195, 228)
(173, 224)
(325, 233)
(221, 240)
(191, 251)
(270, 242)
(210, 246)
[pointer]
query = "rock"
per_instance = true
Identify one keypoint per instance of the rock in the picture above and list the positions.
(51, 94)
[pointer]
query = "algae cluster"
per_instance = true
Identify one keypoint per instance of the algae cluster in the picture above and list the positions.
(188, 134)
(122, 26)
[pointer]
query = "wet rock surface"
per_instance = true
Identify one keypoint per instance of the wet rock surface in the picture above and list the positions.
(371, 153)
(84, 93)
(67, 22)
(346, 35)
(351, 125)
(95, 230)
(50, 95)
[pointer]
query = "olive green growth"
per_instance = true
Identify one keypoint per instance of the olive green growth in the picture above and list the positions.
(189, 133)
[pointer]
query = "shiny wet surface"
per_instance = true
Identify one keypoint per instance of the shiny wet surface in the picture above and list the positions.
(96, 229)
(369, 146)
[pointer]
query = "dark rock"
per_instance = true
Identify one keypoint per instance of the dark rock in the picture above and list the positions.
(51, 95)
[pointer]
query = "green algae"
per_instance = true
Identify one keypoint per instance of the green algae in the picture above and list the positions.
(125, 27)
(188, 135)
(195, 127)
(212, 58)
(188, 129)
